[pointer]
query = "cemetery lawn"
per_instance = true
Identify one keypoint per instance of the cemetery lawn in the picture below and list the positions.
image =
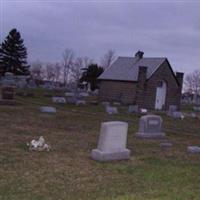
(67, 172)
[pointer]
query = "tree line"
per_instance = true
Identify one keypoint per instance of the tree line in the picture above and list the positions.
(13, 58)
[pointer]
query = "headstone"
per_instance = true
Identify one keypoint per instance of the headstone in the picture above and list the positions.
(150, 126)
(80, 102)
(59, 99)
(95, 92)
(196, 108)
(177, 115)
(83, 94)
(105, 103)
(8, 87)
(112, 142)
(193, 149)
(69, 94)
(31, 84)
(47, 109)
(166, 145)
(111, 110)
(71, 100)
(116, 103)
(8, 80)
(192, 115)
(172, 108)
(133, 109)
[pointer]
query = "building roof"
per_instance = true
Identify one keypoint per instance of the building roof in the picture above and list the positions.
(127, 68)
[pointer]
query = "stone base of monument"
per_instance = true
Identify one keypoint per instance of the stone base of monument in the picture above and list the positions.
(107, 156)
(150, 126)
(9, 102)
(151, 135)
(112, 142)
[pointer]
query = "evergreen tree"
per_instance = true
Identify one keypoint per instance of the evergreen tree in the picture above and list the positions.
(90, 75)
(13, 55)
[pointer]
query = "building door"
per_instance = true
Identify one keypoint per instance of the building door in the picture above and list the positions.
(160, 95)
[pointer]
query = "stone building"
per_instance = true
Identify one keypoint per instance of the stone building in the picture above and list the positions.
(144, 81)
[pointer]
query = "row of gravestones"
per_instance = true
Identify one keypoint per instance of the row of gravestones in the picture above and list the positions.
(172, 112)
(113, 138)
(70, 100)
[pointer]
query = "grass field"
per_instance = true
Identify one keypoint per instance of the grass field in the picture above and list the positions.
(67, 172)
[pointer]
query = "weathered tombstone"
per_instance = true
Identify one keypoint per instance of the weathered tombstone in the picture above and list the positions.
(47, 109)
(166, 145)
(116, 103)
(80, 102)
(8, 88)
(172, 108)
(196, 108)
(59, 99)
(111, 110)
(95, 92)
(32, 84)
(150, 126)
(193, 149)
(83, 94)
(71, 100)
(177, 115)
(105, 103)
(112, 142)
(69, 94)
(133, 109)
(192, 115)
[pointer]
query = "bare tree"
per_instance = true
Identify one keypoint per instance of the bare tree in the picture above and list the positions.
(68, 57)
(108, 59)
(50, 71)
(192, 82)
(76, 69)
(37, 71)
(57, 72)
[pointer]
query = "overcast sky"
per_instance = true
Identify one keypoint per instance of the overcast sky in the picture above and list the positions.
(159, 28)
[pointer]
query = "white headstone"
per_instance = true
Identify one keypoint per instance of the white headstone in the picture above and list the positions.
(112, 142)
(150, 126)
(105, 103)
(193, 149)
(83, 94)
(59, 99)
(133, 109)
(111, 110)
(178, 115)
(69, 94)
(48, 109)
(80, 102)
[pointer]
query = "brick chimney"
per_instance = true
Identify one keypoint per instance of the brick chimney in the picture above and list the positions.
(140, 94)
(142, 76)
(179, 76)
(139, 54)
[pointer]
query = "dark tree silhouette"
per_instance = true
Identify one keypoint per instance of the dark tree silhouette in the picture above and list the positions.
(90, 75)
(13, 55)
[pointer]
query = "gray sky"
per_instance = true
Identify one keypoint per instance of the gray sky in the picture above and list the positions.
(159, 28)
